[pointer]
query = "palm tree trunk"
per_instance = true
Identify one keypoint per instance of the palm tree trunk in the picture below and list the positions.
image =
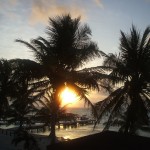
(128, 119)
(132, 110)
(127, 126)
(53, 132)
(54, 115)
(21, 124)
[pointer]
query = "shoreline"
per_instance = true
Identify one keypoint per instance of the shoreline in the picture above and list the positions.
(101, 137)
(106, 140)
(43, 139)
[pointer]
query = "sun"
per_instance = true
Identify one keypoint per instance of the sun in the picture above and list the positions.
(68, 96)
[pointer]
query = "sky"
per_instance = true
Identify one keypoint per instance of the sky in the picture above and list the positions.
(28, 19)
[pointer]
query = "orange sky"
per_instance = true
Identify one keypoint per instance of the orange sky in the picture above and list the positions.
(93, 96)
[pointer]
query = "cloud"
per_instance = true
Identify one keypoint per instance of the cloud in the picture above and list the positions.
(7, 4)
(42, 9)
(98, 3)
(8, 9)
(13, 2)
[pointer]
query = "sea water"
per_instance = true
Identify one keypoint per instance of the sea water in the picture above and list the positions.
(80, 131)
(80, 111)
(76, 132)
(72, 132)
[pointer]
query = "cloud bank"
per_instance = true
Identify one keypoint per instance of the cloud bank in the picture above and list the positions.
(42, 9)
(38, 11)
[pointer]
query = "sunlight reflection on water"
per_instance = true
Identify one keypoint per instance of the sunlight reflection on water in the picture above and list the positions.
(72, 133)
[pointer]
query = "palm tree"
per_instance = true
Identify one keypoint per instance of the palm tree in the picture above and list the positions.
(24, 94)
(44, 113)
(67, 48)
(28, 139)
(5, 86)
(129, 72)
(19, 111)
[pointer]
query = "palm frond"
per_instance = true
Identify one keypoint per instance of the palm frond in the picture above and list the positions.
(144, 40)
(108, 103)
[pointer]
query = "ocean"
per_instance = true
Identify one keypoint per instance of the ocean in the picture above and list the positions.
(80, 111)
(72, 133)
(80, 131)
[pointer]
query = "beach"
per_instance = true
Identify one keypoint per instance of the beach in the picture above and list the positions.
(43, 139)
(70, 134)
(63, 134)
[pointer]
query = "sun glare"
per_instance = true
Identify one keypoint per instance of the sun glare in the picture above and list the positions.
(68, 96)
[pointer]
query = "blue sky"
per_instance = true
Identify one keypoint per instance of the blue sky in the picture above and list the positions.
(27, 19)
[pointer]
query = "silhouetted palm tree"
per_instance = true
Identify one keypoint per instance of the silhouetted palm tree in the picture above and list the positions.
(29, 142)
(19, 111)
(5, 86)
(67, 48)
(44, 113)
(25, 92)
(129, 72)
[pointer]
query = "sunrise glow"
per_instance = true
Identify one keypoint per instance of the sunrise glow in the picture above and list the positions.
(68, 96)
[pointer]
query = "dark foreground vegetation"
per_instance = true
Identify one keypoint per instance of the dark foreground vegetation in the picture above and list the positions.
(107, 140)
